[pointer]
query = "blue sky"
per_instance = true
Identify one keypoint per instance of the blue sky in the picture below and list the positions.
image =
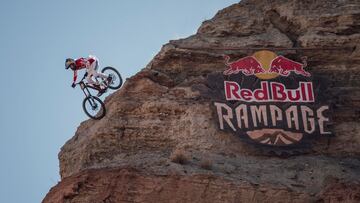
(39, 111)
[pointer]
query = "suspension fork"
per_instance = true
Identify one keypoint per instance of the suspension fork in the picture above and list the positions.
(85, 89)
(87, 93)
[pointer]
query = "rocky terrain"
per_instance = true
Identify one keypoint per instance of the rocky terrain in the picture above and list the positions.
(160, 142)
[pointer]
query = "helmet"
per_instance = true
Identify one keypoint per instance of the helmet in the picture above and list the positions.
(69, 62)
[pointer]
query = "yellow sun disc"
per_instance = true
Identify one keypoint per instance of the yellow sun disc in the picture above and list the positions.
(265, 58)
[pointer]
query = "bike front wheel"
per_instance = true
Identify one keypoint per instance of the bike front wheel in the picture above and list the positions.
(116, 81)
(94, 107)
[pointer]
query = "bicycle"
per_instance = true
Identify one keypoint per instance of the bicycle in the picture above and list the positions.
(93, 106)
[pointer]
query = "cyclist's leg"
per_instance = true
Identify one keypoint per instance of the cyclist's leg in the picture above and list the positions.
(101, 75)
(90, 73)
(97, 74)
(94, 69)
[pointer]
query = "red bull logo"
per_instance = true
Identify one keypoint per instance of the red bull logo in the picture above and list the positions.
(247, 65)
(259, 65)
(284, 66)
(271, 100)
(270, 92)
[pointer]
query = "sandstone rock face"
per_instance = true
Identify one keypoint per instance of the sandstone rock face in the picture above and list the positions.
(162, 110)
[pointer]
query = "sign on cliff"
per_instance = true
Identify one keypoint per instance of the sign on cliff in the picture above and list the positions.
(271, 100)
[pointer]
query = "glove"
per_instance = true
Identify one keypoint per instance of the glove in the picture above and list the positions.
(73, 85)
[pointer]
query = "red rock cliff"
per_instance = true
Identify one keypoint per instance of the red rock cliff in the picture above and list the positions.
(159, 141)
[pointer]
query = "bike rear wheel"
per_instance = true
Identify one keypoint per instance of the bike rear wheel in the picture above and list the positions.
(94, 107)
(116, 81)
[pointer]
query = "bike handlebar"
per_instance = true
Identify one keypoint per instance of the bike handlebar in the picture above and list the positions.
(81, 81)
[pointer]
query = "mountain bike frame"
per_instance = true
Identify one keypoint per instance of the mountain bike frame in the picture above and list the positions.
(85, 88)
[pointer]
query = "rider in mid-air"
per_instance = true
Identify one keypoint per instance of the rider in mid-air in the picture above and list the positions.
(91, 64)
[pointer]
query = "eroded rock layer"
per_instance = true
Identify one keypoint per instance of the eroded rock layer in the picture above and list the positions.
(129, 185)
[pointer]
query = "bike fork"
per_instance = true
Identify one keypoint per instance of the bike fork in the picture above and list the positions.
(91, 100)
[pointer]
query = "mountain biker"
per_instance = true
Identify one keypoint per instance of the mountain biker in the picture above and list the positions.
(91, 64)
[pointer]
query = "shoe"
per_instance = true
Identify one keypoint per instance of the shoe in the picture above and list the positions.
(109, 80)
(101, 92)
(96, 86)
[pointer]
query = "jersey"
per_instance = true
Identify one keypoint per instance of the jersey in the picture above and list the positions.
(82, 63)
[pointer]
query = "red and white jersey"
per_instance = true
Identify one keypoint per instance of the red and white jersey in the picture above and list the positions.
(82, 63)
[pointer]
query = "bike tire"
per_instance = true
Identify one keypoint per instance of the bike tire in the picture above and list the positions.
(99, 115)
(117, 74)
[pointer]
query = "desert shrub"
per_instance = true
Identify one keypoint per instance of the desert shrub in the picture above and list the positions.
(179, 156)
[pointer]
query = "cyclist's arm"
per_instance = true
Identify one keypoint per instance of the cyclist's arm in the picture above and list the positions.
(75, 76)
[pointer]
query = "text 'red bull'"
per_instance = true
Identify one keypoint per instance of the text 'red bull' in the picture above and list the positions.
(270, 92)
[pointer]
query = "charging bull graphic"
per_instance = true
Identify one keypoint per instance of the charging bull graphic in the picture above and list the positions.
(284, 66)
(247, 65)
(250, 66)
(276, 104)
